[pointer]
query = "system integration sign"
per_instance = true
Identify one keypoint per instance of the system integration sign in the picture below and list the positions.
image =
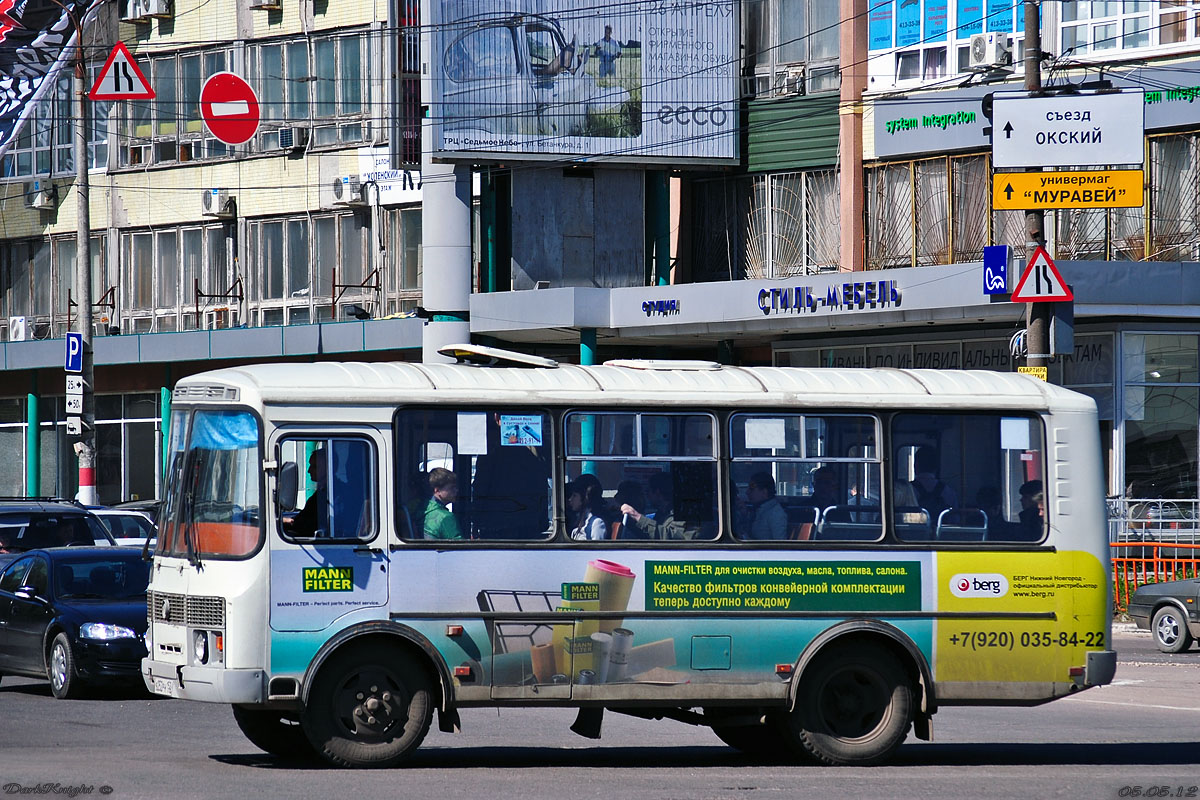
(551, 79)
(1068, 130)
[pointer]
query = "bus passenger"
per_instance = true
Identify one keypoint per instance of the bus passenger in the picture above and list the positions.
(439, 520)
(629, 492)
(763, 517)
(661, 524)
(1033, 501)
(933, 495)
(824, 489)
(511, 489)
(585, 500)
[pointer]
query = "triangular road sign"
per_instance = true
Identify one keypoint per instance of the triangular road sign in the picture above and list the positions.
(120, 79)
(1040, 282)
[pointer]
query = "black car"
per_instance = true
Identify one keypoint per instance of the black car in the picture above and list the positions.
(1169, 610)
(30, 523)
(76, 615)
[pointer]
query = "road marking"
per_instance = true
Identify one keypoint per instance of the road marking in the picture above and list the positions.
(1124, 683)
(1139, 705)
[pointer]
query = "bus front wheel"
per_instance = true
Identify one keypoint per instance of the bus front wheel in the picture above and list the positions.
(369, 707)
(273, 732)
(854, 707)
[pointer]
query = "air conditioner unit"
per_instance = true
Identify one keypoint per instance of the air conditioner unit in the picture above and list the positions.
(41, 195)
(347, 191)
(135, 11)
(793, 81)
(989, 50)
(293, 138)
(162, 9)
(16, 329)
(216, 203)
(266, 5)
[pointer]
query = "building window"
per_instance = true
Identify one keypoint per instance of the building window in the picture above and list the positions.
(1099, 26)
(324, 85)
(933, 211)
(1162, 393)
(791, 46)
(170, 128)
(793, 224)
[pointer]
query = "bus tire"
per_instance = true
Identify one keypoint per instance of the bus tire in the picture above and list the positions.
(854, 707)
(274, 732)
(1171, 634)
(369, 707)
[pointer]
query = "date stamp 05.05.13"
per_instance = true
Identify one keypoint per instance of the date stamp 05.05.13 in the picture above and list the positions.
(55, 789)
(1163, 790)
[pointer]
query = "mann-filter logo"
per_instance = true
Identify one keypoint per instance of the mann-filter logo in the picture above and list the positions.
(328, 579)
(979, 585)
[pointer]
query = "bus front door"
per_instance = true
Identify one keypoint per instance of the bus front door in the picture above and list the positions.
(329, 558)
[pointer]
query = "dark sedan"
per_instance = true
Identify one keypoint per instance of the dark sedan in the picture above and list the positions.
(1169, 610)
(75, 615)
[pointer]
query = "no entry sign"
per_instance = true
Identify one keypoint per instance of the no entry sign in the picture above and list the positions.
(229, 107)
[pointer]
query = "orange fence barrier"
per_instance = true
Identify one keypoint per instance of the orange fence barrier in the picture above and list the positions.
(1138, 563)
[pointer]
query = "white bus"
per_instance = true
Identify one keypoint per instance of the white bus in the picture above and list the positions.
(807, 560)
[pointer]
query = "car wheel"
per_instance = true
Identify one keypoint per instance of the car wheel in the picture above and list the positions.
(60, 668)
(854, 707)
(273, 732)
(369, 707)
(1170, 630)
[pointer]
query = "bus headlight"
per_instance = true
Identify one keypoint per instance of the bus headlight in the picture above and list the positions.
(200, 647)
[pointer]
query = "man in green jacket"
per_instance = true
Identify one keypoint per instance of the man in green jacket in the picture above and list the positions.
(439, 520)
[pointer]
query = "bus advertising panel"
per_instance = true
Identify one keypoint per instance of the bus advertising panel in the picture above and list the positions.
(557, 79)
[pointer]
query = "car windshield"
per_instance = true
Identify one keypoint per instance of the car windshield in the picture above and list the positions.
(127, 526)
(115, 578)
(26, 531)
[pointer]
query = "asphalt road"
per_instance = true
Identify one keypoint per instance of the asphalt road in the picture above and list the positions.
(1143, 731)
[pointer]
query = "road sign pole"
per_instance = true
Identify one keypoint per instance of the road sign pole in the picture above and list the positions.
(85, 448)
(1037, 329)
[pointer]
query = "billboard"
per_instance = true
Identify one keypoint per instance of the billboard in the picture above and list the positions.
(35, 40)
(642, 81)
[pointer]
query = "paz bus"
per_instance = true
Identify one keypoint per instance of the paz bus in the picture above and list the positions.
(809, 561)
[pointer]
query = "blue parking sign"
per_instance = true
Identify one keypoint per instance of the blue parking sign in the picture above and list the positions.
(995, 269)
(74, 352)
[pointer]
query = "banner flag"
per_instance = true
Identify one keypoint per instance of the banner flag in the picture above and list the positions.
(37, 38)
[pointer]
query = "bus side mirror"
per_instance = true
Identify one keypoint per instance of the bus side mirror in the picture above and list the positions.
(287, 486)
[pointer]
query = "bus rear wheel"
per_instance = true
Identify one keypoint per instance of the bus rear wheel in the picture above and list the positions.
(369, 708)
(274, 732)
(855, 707)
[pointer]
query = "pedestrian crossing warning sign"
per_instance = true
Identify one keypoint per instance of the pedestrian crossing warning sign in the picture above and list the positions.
(1040, 282)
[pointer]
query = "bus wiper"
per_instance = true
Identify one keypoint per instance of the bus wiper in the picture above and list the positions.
(189, 528)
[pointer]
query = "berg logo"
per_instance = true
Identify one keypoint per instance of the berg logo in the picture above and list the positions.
(979, 585)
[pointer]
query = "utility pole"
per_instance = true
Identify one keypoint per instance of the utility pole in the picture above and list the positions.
(1037, 315)
(85, 448)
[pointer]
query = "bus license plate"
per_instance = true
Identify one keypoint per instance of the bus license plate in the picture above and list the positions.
(165, 686)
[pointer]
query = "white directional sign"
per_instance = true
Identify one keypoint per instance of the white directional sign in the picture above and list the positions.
(1041, 283)
(1076, 130)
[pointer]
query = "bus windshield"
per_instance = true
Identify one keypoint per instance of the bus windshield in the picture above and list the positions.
(212, 508)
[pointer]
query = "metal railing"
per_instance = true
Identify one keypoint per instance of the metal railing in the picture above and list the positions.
(1152, 540)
